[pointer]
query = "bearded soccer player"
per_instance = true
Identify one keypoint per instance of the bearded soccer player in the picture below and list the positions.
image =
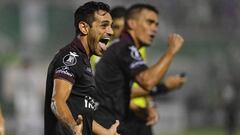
(69, 102)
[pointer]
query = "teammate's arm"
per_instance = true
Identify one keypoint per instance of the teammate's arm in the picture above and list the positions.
(151, 76)
(169, 84)
(61, 92)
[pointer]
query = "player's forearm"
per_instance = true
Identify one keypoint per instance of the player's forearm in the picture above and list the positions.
(151, 77)
(138, 92)
(159, 89)
(98, 129)
(62, 112)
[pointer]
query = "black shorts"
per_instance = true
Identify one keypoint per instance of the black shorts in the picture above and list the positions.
(136, 126)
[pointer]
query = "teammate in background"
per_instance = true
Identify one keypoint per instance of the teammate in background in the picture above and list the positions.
(69, 105)
(2, 127)
(140, 106)
(118, 14)
(122, 64)
(144, 114)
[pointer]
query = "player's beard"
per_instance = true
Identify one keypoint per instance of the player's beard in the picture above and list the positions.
(93, 43)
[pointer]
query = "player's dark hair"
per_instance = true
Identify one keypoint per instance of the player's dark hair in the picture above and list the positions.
(118, 12)
(135, 9)
(86, 13)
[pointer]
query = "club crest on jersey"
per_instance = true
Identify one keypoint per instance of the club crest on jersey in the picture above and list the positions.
(70, 59)
(134, 53)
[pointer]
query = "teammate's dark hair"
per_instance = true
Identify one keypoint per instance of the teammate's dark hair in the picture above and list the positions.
(86, 13)
(118, 12)
(134, 11)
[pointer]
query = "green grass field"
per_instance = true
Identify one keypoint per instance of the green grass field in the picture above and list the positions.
(200, 132)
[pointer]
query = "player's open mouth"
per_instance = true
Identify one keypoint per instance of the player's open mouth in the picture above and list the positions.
(152, 36)
(103, 42)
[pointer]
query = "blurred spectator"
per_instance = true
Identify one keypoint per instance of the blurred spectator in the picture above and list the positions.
(27, 101)
(231, 92)
(230, 108)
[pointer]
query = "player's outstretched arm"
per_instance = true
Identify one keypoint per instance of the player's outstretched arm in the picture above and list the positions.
(171, 83)
(151, 76)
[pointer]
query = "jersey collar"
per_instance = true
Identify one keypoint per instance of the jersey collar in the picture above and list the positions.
(125, 36)
(77, 43)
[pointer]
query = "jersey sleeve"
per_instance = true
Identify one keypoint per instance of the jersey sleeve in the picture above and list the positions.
(133, 63)
(68, 66)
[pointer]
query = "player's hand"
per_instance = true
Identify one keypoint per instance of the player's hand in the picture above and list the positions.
(77, 130)
(175, 42)
(113, 129)
(153, 116)
(174, 82)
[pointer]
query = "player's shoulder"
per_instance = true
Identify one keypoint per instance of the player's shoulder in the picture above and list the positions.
(118, 45)
(69, 56)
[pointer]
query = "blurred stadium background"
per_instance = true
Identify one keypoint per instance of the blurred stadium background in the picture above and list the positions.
(31, 31)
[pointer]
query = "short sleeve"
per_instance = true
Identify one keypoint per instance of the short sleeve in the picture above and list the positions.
(68, 66)
(132, 61)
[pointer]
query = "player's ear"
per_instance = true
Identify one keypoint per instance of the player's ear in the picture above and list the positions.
(131, 24)
(83, 27)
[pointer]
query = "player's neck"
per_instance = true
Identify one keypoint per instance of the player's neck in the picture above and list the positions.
(135, 40)
(84, 42)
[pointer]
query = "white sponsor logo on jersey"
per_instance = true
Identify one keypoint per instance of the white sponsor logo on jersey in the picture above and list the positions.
(70, 59)
(135, 53)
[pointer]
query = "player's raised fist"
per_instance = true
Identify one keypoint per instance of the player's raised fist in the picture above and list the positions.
(175, 42)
